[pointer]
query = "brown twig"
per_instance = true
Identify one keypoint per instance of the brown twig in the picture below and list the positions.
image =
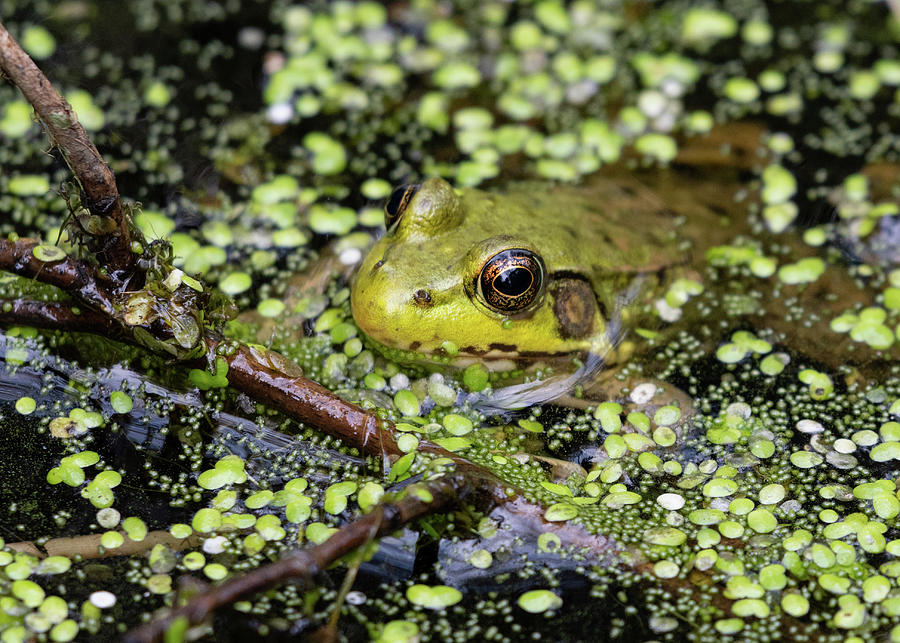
(97, 181)
(304, 565)
(55, 316)
(250, 371)
(90, 547)
(77, 279)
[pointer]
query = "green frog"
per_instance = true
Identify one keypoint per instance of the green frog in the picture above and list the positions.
(538, 274)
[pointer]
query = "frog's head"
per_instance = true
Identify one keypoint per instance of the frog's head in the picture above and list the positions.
(457, 277)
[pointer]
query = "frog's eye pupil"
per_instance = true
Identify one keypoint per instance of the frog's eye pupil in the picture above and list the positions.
(511, 280)
(397, 202)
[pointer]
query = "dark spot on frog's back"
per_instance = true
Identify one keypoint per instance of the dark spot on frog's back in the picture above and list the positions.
(506, 348)
(574, 307)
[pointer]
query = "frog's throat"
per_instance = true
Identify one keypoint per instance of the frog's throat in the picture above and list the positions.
(536, 392)
(604, 349)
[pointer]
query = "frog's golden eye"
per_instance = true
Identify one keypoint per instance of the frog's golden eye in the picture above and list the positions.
(511, 280)
(396, 204)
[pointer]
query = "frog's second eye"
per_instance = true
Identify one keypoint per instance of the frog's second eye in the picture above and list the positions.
(511, 280)
(396, 204)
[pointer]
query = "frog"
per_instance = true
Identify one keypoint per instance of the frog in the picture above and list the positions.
(535, 274)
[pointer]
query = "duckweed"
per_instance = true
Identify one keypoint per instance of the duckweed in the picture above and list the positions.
(671, 501)
(16, 120)
(111, 540)
(259, 499)
(135, 528)
(802, 272)
(560, 512)
(121, 402)
(206, 520)
(433, 597)
(407, 403)
(457, 424)
(771, 494)
(399, 632)
(706, 516)
(666, 569)
(31, 185)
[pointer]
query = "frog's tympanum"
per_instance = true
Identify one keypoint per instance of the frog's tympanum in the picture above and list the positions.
(533, 275)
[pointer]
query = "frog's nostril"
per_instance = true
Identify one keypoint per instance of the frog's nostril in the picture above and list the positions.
(422, 298)
(377, 265)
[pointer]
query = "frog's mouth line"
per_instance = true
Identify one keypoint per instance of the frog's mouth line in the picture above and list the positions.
(496, 358)
(499, 355)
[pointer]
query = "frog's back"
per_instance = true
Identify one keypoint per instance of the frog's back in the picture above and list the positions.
(606, 227)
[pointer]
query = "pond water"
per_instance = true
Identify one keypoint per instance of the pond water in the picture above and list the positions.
(731, 472)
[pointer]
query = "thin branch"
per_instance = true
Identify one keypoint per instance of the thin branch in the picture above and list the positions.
(90, 547)
(55, 316)
(77, 279)
(252, 371)
(98, 183)
(304, 565)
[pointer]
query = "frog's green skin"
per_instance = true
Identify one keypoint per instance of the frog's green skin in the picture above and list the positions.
(417, 289)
